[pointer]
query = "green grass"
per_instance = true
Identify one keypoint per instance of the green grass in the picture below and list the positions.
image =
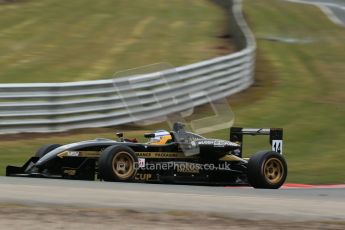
(55, 41)
(299, 87)
(308, 97)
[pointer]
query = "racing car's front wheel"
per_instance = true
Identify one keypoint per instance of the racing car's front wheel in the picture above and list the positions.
(41, 152)
(117, 163)
(267, 169)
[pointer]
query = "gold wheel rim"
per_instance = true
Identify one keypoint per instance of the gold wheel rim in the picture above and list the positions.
(273, 170)
(123, 165)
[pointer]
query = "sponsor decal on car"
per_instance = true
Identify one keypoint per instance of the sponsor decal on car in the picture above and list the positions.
(143, 176)
(205, 142)
(73, 153)
(277, 146)
(70, 172)
(216, 143)
(161, 154)
(141, 162)
(91, 154)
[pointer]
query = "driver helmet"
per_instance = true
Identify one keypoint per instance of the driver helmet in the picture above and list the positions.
(161, 137)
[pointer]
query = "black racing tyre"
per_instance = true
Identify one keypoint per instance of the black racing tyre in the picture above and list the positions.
(46, 149)
(267, 169)
(117, 163)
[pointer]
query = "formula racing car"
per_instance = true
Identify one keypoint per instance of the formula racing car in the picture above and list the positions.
(177, 156)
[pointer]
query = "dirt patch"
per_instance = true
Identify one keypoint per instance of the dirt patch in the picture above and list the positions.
(226, 44)
(26, 217)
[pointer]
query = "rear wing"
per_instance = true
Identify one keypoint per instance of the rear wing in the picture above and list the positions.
(275, 134)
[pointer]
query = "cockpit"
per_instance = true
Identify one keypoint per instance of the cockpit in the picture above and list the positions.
(179, 134)
(163, 137)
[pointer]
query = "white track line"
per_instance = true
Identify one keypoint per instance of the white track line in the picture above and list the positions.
(331, 15)
(324, 7)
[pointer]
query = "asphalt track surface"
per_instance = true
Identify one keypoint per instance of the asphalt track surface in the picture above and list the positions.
(321, 204)
(334, 9)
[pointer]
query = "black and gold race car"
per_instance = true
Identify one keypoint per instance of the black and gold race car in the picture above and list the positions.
(178, 156)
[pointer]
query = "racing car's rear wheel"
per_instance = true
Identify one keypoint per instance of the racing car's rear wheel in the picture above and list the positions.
(267, 169)
(117, 163)
(46, 149)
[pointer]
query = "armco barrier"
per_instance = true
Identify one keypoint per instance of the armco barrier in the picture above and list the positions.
(50, 107)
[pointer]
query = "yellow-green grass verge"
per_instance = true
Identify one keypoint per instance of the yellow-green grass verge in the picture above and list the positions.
(299, 86)
(56, 41)
(308, 99)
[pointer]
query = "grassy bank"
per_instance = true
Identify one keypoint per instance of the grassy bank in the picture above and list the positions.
(55, 41)
(299, 86)
(308, 97)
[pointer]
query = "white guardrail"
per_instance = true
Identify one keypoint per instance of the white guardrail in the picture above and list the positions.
(51, 107)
